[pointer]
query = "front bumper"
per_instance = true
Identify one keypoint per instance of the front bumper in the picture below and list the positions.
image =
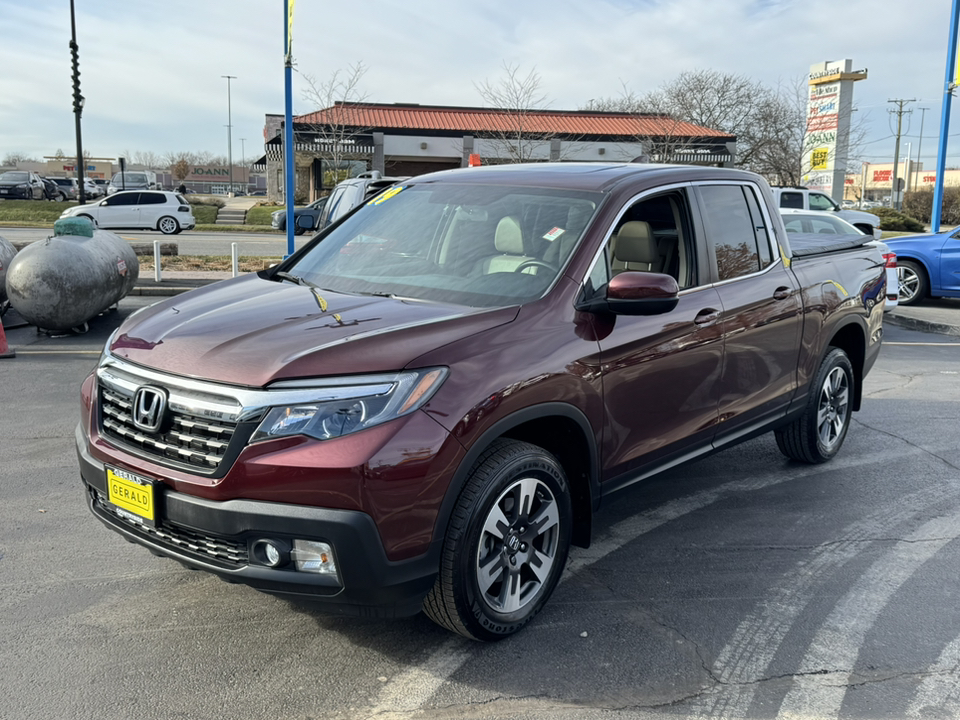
(12, 192)
(218, 537)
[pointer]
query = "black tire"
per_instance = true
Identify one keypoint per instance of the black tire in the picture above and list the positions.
(818, 434)
(913, 283)
(90, 218)
(168, 225)
(298, 231)
(59, 197)
(513, 518)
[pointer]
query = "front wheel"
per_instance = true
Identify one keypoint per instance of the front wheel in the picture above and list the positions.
(817, 435)
(168, 225)
(913, 285)
(506, 544)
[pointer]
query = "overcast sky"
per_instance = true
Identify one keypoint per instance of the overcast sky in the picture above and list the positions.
(151, 69)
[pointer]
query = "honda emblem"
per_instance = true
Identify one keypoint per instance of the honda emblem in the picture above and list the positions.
(149, 405)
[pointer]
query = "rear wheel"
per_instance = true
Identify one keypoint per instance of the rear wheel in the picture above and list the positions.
(168, 225)
(817, 435)
(506, 545)
(913, 284)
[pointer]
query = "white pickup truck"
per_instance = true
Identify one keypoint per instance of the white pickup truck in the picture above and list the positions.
(800, 198)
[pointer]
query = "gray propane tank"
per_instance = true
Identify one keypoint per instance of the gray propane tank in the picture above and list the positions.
(63, 281)
(7, 251)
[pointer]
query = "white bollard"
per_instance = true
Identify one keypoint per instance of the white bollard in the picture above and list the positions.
(156, 260)
(234, 259)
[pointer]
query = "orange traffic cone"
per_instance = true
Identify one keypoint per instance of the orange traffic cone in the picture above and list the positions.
(5, 351)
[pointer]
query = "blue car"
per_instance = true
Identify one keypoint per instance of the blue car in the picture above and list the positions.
(927, 265)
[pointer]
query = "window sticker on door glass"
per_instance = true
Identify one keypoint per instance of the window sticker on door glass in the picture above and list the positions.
(554, 234)
(386, 195)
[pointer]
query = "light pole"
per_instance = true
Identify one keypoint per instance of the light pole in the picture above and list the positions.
(243, 164)
(77, 103)
(229, 128)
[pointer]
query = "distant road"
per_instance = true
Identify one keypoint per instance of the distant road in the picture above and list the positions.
(189, 242)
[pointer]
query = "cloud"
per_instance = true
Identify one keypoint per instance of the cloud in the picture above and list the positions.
(151, 71)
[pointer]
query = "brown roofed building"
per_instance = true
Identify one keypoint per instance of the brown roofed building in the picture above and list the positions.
(410, 139)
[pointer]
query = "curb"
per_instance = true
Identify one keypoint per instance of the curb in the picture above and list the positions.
(921, 325)
(160, 291)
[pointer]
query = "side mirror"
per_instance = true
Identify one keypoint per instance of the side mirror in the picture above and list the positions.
(637, 293)
(304, 222)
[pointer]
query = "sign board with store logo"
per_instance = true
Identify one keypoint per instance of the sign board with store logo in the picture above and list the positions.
(827, 136)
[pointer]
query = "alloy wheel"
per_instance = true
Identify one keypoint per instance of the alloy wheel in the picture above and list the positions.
(833, 408)
(518, 545)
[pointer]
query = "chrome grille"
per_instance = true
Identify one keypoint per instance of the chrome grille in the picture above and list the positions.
(191, 440)
(179, 538)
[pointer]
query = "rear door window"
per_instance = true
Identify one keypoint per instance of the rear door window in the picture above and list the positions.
(732, 232)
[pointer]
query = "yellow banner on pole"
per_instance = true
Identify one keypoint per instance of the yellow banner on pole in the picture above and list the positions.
(290, 26)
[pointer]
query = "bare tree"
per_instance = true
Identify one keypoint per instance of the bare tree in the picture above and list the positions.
(335, 124)
(13, 158)
(675, 132)
(518, 97)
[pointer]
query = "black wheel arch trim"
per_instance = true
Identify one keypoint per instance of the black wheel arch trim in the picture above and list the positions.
(502, 428)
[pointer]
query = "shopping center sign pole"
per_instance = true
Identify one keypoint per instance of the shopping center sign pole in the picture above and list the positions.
(949, 85)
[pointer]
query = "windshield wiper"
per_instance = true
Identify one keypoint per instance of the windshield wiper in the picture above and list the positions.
(315, 289)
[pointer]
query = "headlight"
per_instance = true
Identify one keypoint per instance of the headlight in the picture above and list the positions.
(346, 405)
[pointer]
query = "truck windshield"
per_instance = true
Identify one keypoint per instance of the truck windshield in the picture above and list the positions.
(474, 245)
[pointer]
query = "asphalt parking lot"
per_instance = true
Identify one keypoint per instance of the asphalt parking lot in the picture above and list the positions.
(742, 585)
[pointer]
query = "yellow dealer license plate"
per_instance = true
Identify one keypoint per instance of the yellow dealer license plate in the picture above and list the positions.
(132, 493)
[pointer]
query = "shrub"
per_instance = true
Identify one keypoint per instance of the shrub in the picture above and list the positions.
(212, 201)
(891, 219)
(919, 204)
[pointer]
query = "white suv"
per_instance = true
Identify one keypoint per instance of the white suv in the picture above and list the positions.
(167, 212)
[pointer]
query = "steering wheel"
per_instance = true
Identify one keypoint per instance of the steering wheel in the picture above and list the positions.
(534, 263)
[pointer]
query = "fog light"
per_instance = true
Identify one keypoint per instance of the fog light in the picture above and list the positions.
(269, 553)
(312, 556)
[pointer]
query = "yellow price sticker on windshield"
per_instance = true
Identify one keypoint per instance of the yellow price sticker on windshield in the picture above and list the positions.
(386, 195)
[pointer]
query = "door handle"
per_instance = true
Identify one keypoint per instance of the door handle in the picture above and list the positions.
(707, 316)
(781, 293)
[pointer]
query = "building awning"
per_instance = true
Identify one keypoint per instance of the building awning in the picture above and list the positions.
(259, 166)
(309, 143)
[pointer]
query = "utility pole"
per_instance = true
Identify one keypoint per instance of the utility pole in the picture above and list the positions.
(894, 198)
(229, 138)
(916, 178)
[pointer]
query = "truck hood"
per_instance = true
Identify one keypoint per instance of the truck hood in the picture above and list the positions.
(859, 216)
(251, 331)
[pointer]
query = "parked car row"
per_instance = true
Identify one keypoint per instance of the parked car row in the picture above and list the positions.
(26, 185)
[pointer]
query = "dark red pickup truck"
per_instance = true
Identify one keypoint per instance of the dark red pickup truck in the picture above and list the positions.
(424, 407)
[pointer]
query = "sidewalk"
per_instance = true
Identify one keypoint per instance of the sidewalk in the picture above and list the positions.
(940, 315)
(174, 282)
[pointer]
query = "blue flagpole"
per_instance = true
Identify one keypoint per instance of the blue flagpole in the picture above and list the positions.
(288, 124)
(945, 118)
